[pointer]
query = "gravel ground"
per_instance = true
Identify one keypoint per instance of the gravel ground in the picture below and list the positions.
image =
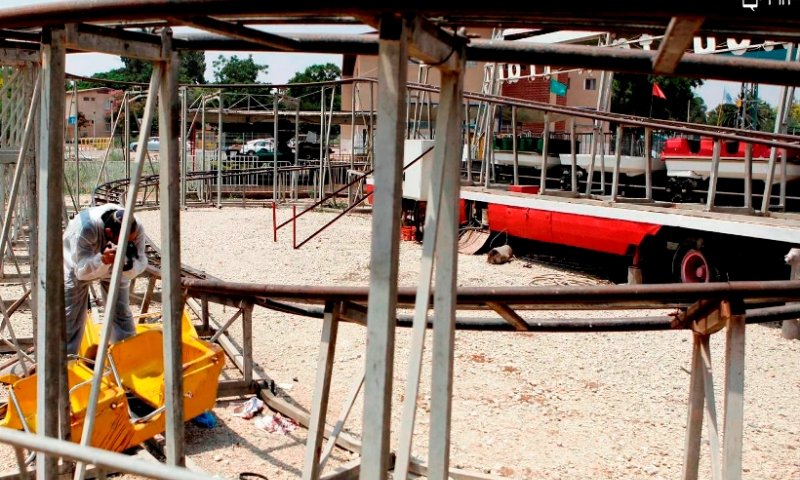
(525, 405)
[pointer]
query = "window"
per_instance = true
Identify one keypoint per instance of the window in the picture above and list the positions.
(85, 99)
(590, 84)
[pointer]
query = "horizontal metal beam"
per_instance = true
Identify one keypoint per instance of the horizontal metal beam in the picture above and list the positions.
(616, 296)
(722, 67)
(106, 10)
(15, 56)
(433, 45)
(110, 461)
(680, 34)
(240, 32)
(86, 38)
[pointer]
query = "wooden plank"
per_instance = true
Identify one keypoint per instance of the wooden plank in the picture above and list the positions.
(679, 35)
(734, 398)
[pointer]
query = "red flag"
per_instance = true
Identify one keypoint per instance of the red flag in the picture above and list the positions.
(657, 92)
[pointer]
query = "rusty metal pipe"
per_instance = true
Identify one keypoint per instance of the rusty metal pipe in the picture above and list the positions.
(627, 296)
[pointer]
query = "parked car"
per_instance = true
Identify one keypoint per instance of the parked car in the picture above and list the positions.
(255, 146)
(153, 145)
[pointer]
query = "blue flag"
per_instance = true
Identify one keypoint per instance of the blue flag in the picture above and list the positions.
(558, 88)
(726, 97)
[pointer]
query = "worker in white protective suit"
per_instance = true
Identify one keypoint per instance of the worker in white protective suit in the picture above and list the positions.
(90, 246)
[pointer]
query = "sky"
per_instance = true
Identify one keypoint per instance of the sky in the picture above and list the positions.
(283, 66)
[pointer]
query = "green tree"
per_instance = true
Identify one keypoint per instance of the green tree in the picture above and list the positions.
(237, 70)
(192, 71)
(310, 96)
(725, 115)
(193, 67)
(633, 94)
(794, 120)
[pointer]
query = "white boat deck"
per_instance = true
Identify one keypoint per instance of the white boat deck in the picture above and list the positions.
(783, 227)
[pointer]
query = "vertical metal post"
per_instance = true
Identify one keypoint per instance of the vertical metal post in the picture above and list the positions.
(617, 158)
(203, 144)
(126, 150)
(322, 387)
(592, 156)
(648, 163)
(352, 137)
(467, 142)
(321, 132)
(773, 154)
(734, 398)
(294, 226)
(573, 159)
(372, 114)
(111, 143)
(694, 423)
(18, 169)
(77, 145)
(444, 301)
(382, 305)
(49, 287)
(182, 124)
(545, 145)
(748, 175)
(297, 132)
(247, 343)
(119, 260)
(714, 174)
(172, 301)
(711, 408)
(514, 143)
(275, 148)
(220, 137)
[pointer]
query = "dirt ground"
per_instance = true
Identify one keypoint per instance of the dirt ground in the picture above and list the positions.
(525, 405)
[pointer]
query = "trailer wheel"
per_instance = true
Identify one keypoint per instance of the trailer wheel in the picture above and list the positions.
(695, 267)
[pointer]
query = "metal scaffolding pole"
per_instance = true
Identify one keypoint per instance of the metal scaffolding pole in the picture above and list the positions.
(392, 74)
(50, 344)
(275, 104)
(184, 135)
(444, 298)
(23, 153)
(219, 152)
(116, 272)
(172, 299)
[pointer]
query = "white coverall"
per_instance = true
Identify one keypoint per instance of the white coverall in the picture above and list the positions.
(84, 241)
